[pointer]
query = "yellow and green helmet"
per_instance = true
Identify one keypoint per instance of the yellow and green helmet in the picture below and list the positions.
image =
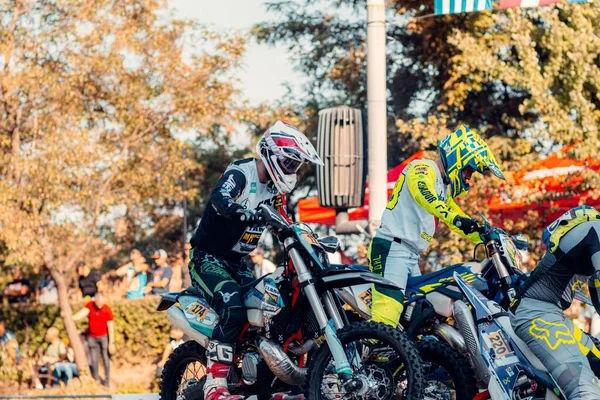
(466, 149)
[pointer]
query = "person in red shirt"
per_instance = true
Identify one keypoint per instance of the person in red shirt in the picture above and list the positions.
(101, 334)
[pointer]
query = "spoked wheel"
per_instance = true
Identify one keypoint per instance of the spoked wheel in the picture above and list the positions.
(384, 362)
(184, 369)
(448, 375)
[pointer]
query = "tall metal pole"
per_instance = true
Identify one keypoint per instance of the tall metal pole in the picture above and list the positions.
(377, 107)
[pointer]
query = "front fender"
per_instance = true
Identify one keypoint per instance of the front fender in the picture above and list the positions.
(339, 278)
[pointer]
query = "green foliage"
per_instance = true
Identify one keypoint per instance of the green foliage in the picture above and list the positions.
(141, 332)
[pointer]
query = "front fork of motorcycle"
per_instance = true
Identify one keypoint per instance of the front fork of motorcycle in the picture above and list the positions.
(327, 325)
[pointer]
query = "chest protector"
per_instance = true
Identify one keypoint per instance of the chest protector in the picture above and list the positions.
(563, 224)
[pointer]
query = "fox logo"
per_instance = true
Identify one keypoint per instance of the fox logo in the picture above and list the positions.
(540, 329)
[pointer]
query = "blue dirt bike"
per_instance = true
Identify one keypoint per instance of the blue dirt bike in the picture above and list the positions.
(428, 312)
(512, 371)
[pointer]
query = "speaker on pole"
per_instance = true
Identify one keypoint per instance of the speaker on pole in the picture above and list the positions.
(341, 145)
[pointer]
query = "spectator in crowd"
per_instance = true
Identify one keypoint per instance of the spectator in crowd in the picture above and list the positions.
(10, 353)
(90, 281)
(262, 266)
(136, 273)
(162, 274)
(17, 291)
(185, 271)
(176, 340)
(66, 369)
(361, 254)
(101, 334)
(54, 359)
(46, 291)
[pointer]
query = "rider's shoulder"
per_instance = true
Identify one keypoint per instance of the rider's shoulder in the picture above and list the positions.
(246, 162)
(247, 166)
(422, 165)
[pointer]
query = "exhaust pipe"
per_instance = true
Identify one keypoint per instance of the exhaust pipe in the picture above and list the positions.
(177, 318)
(280, 364)
(451, 336)
(466, 326)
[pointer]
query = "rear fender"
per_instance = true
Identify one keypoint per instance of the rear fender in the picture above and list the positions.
(167, 300)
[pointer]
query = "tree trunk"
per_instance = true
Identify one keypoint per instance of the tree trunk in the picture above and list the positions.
(65, 308)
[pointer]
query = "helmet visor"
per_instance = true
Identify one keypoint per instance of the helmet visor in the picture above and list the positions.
(288, 165)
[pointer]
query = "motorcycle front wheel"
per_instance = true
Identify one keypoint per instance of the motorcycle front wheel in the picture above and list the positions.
(389, 365)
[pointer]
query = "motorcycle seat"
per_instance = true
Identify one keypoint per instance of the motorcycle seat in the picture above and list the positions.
(193, 291)
(415, 281)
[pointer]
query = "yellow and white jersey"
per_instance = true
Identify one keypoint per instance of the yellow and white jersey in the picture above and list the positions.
(419, 198)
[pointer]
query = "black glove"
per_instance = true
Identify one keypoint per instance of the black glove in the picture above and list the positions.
(246, 216)
(467, 225)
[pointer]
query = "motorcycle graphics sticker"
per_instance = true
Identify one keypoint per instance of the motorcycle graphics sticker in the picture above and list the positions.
(199, 311)
(497, 343)
(366, 298)
(249, 239)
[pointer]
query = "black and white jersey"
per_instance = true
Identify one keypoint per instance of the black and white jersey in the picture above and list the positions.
(220, 232)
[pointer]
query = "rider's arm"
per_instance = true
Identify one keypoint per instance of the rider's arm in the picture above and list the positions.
(223, 195)
(473, 237)
(421, 184)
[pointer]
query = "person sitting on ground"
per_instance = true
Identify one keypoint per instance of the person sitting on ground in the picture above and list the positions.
(46, 291)
(53, 359)
(176, 340)
(162, 274)
(90, 281)
(17, 291)
(10, 353)
(262, 266)
(136, 273)
(66, 369)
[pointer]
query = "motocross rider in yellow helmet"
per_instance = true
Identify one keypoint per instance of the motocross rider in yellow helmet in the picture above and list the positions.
(425, 192)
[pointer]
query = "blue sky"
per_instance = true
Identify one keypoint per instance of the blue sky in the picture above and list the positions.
(265, 68)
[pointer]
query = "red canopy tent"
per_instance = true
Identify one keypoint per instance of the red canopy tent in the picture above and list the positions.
(556, 174)
(310, 211)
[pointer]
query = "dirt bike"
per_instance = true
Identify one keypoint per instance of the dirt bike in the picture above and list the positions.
(428, 314)
(297, 339)
(512, 371)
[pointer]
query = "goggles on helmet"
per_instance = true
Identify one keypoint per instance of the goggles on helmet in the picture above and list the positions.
(288, 165)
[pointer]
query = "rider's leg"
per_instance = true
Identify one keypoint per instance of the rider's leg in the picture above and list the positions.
(589, 349)
(395, 262)
(559, 345)
(209, 274)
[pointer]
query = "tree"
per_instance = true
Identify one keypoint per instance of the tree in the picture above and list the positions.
(93, 97)
(526, 78)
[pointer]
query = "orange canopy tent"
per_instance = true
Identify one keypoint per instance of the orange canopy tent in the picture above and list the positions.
(310, 211)
(557, 175)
